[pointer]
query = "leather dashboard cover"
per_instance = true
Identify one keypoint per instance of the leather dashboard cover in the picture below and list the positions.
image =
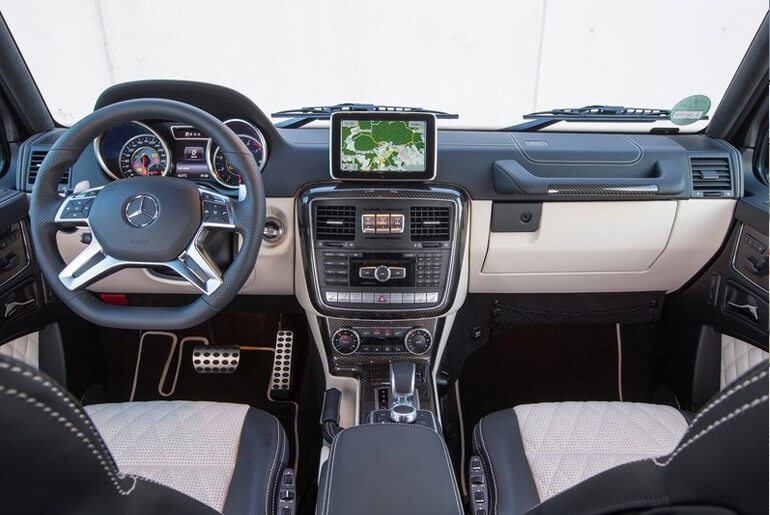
(388, 468)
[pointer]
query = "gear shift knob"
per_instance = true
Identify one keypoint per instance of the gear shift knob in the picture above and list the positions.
(402, 379)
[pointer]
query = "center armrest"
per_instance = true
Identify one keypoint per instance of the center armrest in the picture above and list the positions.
(388, 468)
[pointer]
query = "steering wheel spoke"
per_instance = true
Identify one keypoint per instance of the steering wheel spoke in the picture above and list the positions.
(87, 267)
(76, 208)
(197, 269)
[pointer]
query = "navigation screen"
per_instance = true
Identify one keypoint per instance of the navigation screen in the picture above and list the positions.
(383, 145)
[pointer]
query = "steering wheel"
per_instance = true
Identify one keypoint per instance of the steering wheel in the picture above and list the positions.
(145, 222)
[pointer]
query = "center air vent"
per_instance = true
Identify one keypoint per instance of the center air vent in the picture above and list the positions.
(429, 223)
(36, 158)
(711, 177)
(335, 223)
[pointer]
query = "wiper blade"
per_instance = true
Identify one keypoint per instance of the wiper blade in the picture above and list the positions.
(304, 115)
(594, 113)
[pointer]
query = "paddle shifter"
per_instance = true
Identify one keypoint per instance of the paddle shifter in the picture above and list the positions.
(402, 386)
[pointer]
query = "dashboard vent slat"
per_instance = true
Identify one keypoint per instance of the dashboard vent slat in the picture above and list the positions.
(336, 223)
(36, 158)
(711, 177)
(429, 223)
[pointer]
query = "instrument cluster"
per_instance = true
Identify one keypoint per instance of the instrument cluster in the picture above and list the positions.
(137, 149)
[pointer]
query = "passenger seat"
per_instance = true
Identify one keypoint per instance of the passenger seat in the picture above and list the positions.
(613, 457)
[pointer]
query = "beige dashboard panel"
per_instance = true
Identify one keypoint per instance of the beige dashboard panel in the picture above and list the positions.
(599, 246)
(585, 237)
(272, 275)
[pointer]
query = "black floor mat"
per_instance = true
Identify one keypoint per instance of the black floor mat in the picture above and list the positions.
(538, 363)
(248, 385)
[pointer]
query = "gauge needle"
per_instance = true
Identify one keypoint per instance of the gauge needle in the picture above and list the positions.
(145, 164)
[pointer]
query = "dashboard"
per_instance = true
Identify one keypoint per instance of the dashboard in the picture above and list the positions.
(171, 149)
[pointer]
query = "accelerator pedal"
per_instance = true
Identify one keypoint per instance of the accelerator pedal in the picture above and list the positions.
(280, 382)
(216, 359)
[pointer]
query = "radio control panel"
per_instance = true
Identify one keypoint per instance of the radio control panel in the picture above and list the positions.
(381, 252)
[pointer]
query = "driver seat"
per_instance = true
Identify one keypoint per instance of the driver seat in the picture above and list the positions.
(135, 457)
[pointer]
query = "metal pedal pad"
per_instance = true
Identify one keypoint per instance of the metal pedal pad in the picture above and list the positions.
(280, 382)
(209, 359)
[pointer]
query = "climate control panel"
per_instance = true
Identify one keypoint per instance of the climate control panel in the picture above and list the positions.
(382, 340)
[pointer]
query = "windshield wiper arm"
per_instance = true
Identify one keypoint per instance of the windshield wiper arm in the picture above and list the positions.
(304, 115)
(594, 113)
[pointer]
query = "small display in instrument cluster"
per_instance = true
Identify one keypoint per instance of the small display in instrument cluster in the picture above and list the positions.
(190, 149)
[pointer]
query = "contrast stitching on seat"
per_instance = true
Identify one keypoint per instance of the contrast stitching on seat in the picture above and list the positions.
(727, 394)
(489, 459)
(63, 396)
(51, 412)
(749, 405)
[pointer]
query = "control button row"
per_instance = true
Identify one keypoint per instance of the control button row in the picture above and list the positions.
(378, 349)
(344, 297)
(382, 223)
(77, 208)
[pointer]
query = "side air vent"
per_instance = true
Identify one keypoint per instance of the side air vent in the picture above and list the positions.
(335, 223)
(429, 223)
(711, 177)
(36, 158)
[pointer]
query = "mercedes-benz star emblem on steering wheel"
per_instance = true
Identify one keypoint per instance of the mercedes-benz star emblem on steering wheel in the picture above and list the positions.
(142, 210)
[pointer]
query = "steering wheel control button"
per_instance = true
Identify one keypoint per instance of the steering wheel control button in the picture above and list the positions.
(141, 210)
(215, 212)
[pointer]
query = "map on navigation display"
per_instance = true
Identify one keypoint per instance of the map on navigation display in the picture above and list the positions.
(382, 145)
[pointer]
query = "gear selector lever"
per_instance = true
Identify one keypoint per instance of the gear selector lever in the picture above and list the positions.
(402, 385)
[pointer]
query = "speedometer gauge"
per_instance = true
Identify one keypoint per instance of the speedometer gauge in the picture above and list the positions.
(224, 172)
(144, 154)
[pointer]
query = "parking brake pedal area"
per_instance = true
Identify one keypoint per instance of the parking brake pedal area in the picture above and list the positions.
(210, 359)
(280, 382)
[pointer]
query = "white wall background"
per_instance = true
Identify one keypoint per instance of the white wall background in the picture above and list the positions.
(489, 60)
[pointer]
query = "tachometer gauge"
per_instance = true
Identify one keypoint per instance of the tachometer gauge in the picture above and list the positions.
(223, 171)
(144, 154)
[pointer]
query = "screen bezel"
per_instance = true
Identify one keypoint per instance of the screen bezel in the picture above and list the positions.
(334, 147)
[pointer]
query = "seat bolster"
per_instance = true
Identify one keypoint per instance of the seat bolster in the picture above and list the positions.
(262, 456)
(497, 440)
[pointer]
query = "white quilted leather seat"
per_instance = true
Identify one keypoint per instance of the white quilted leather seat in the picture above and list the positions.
(536, 451)
(191, 447)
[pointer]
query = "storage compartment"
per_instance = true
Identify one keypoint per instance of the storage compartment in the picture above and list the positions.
(388, 468)
(585, 237)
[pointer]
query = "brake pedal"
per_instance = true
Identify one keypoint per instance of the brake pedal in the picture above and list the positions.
(280, 382)
(210, 359)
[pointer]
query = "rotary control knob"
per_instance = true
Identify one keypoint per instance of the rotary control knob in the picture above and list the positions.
(418, 340)
(346, 340)
(382, 273)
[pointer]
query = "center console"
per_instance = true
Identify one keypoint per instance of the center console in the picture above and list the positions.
(382, 267)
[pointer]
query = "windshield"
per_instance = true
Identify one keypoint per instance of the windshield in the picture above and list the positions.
(490, 61)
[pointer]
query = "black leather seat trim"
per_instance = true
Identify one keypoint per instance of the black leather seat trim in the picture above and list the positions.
(262, 456)
(389, 468)
(511, 485)
(53, 460)
(719, 466)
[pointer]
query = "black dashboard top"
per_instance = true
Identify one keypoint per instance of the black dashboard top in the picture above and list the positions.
(594, 166)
